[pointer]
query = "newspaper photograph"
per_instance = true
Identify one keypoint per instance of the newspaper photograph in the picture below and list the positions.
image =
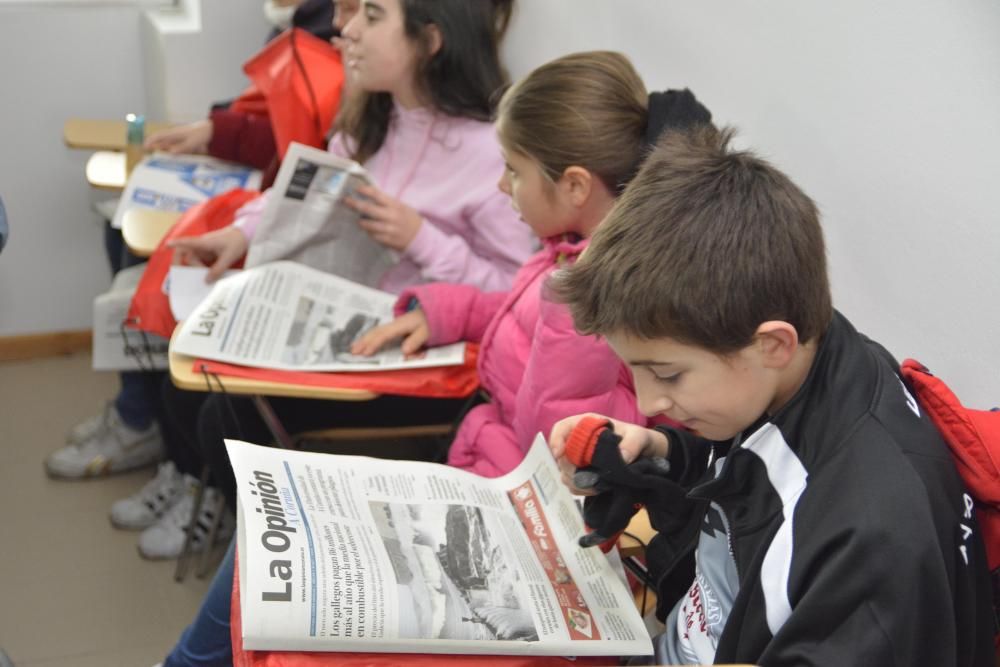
(305, 219)
(287, 316)
(175, 183)
(348, 553)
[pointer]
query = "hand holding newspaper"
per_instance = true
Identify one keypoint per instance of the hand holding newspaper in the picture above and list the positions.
(346, 553)
(306, 221)
(287, 316)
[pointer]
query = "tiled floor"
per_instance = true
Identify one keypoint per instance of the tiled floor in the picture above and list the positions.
(73, 590)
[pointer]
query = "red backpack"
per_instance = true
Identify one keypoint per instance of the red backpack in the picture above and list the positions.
(974, 439)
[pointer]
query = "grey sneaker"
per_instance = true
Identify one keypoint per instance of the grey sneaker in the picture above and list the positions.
(144, 507)
(165, 538)
(105, 445)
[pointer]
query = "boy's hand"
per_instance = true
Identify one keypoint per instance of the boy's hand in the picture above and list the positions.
(191, 138)
(636, 441)
(389, 221)
(411, 327)
(218, 250)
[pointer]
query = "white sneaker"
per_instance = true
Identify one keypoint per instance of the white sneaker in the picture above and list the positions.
(103, 445)
(143, 508)
(165, 538)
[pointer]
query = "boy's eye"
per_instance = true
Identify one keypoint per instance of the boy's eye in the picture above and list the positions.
(666, 379)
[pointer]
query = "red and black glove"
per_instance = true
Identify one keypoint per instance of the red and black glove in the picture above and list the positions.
(622, 488)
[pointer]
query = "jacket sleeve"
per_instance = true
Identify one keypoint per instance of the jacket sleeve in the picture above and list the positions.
(454, 312)
(688, 455)
(242, 137)
(500, 242)
(568, 374)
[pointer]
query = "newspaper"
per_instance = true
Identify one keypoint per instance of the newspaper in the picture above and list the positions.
(305, 219)
(347, 553)
(166, 182)
(287, 316)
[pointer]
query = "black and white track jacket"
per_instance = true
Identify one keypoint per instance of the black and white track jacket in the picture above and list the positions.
(853, 538)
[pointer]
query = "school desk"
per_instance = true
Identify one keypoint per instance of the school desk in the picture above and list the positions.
(106, 171)
(144, 228)
(101, 135)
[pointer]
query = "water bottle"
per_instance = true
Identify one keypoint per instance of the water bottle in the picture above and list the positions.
(135, 134)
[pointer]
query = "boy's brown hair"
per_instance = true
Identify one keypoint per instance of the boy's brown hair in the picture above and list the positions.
(587, 109)
(704, 245)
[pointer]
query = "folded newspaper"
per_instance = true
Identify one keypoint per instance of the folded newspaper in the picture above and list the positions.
(287, 316)
(305, 219)
(175, 183)
(347, 553)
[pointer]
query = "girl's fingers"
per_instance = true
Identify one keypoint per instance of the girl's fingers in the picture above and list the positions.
(374, 194)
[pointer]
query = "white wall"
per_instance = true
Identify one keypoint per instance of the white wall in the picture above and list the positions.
(886, 113)
(87, 60)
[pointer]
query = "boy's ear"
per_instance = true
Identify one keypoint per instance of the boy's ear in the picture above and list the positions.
(577, 183)
(777, 342)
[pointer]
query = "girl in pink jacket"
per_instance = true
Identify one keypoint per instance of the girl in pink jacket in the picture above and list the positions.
(573, 134)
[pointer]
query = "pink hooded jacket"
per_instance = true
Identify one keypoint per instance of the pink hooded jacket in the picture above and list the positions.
(534, 365)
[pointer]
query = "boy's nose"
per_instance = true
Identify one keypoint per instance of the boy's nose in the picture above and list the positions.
(652, 403)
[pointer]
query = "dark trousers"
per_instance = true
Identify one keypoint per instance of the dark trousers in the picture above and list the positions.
(139, 396)
(197, 422)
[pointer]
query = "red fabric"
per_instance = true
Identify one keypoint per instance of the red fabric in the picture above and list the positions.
(300, 78)
(974, 439)
(243, 658)
(583, 439)
(150, 308)
(436, 382)
(242, 137)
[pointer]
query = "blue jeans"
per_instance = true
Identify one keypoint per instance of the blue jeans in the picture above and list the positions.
(206, 642)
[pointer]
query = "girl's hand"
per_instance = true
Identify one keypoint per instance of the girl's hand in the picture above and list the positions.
(191, 138)
(411, 327)
(389, 221)
(636, 441)
(218, 250)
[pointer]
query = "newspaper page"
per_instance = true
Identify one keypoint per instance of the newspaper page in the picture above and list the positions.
(347, 553)
(166, 182)
(287, 316)
(306, 221)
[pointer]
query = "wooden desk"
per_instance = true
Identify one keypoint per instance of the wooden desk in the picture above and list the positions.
(100, 135)
(144, 228)
(106, 171)
(183, 376)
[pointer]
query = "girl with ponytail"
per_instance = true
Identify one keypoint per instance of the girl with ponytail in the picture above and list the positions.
(573, 133)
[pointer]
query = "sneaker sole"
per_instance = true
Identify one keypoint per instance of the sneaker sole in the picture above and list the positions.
(156, 557)
(120, 525)
(98, 469)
